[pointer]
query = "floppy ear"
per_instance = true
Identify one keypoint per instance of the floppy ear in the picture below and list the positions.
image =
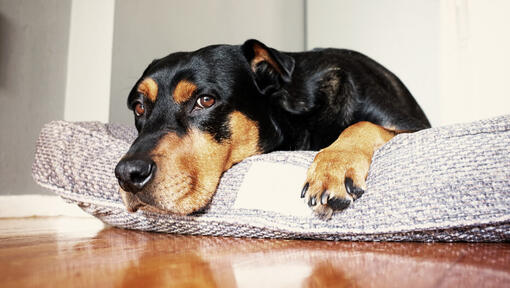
(270, 66)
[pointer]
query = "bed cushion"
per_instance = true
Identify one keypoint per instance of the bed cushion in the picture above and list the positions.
(442, 184)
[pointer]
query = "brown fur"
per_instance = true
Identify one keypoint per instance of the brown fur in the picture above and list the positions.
(183, 91)
(186, 177)
(149, 88)
(261, 54)
(350, 155)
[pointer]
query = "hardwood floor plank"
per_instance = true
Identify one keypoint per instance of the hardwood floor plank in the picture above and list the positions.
(82, 252)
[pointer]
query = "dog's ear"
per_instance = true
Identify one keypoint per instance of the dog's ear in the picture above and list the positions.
(270, 66)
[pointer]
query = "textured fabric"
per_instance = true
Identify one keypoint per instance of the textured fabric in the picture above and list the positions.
(441, 184)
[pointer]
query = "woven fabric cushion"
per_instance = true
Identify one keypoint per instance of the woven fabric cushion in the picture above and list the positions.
(441, 184)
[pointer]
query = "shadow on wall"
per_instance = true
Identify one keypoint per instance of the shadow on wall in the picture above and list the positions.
(4, 49)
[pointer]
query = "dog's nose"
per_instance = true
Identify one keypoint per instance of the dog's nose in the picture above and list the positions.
(134, 174)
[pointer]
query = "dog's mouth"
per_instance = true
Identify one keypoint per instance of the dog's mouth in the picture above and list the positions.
(187, 169)
(131, 202)
(175, 194)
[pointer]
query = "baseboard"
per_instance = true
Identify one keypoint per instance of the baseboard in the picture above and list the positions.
(37, 205)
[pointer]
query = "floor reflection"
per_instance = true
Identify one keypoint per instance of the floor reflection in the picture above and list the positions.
(200, 261)
(33, 253)
(327, 274)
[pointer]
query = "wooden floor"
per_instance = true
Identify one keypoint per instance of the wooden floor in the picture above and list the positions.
(81, 252)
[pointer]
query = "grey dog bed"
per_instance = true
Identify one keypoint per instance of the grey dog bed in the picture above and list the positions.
(441, 184)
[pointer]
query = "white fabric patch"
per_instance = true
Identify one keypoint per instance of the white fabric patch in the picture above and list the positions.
(273, 187)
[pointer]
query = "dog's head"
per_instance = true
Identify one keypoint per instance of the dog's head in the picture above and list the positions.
(197, 114)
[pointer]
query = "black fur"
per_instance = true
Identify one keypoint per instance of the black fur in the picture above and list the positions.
(302, 104)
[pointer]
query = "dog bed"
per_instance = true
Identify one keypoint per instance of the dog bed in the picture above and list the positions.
(441, 184)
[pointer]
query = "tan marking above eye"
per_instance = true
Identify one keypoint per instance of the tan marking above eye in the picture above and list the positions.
(149, 88)
(183, 91)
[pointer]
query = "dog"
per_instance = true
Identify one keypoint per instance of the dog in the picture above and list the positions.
(198, 113)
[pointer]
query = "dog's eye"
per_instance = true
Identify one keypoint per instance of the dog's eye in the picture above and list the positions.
(205, 101)
(139, 109)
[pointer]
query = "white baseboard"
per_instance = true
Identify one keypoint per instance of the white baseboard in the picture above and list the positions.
(37, 205)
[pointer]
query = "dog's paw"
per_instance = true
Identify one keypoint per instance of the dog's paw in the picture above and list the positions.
(334, 180)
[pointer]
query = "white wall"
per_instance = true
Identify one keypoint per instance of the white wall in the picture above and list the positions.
(402, 35)
(453, 55)
(89, 61)
(475, 59)
(145, 30)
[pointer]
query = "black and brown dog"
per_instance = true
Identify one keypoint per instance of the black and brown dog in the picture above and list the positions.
(199, 113)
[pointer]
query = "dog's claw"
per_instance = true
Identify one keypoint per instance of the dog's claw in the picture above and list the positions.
(324, 197)
(312, 202)
(305, 188)
(352, 190)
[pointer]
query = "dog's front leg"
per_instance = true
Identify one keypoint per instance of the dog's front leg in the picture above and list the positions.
(338, 173)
